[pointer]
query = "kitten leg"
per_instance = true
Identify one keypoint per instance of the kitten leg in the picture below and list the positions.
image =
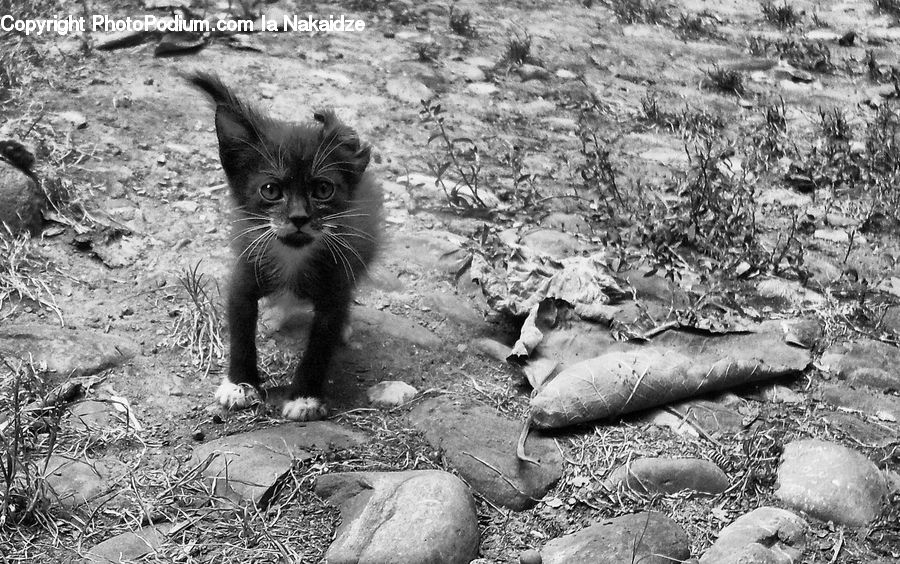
(239, 389)
(305, 393)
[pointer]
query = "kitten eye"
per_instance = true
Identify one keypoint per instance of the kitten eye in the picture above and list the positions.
(323, 190)
(270, 191)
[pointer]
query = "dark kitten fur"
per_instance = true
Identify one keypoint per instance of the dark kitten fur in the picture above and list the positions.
(307, 217)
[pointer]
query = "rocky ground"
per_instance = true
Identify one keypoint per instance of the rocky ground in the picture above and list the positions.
(659, 238)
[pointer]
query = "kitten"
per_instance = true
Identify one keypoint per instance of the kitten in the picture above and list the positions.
(307, 218)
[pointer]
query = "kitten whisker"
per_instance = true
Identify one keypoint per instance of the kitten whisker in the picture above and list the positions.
(330, 147)
(356, 232)
(349, 247)
(253, 246)
(344, 213)
(345, 262)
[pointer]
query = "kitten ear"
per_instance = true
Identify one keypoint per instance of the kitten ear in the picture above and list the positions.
(232, 129)
(237, 124)
(353, 151)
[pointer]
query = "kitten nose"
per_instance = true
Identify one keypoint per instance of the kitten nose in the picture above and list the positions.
(299, 220)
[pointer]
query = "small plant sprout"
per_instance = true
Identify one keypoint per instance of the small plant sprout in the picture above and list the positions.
(198, 327)
(456, 164)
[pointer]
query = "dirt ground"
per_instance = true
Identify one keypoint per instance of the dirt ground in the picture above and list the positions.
(130, 151)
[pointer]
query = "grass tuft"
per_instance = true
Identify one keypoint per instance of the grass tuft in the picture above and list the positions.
(783, 16)
(461, 23)
(518, 49)
(22, 273)
(729, 81)
(640, 11)
(198, 327)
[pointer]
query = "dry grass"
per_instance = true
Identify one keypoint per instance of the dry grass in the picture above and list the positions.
(198, 327)
(23, 275)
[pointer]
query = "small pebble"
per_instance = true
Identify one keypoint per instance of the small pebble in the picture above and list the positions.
(198, 435)
(530, 556)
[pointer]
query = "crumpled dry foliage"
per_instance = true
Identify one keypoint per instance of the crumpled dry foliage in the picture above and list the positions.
(679, 366)
(532, 281)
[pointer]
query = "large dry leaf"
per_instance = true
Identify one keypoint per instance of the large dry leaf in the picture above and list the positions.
(679, 367)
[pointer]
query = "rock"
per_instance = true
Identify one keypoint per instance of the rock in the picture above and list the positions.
(867, 434)
(791, 293)
(565, 74)
(128, 546)
(481, 446)
(21, 200)
(387, 323)
(416, 517)
(806, 333)
(251, 465)
(568, 222)
(777, 393)
(453, 307)
(482, 88)
(551, 242)
(883, 406)
(835, 235)
(390, 393)
(410, 91)
(73, 118)
(492, 349)
(830, 482)
(530, 557)
(66, 352)
(669, 475)
(532, 72)
(95, 416)
(76, 482)
(648, 538)
(867, 362)
(715, 415)
(767, 535)
(441, 251)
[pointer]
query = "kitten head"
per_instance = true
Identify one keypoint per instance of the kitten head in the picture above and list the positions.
(292, 182)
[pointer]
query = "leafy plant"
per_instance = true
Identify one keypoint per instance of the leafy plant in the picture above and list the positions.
(456, 165)
(427, 51)
(461, 23)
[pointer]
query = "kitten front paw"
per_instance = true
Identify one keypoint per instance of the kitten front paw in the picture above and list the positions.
(304, 409)
(236, 396)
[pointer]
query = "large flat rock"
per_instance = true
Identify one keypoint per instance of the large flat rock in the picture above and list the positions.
(870, 363)
(481, 445)
(648, 538)
(250, 466)
(82, 482)
(129, 546)
(830, 482)
(416, 517)
(76, 352)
